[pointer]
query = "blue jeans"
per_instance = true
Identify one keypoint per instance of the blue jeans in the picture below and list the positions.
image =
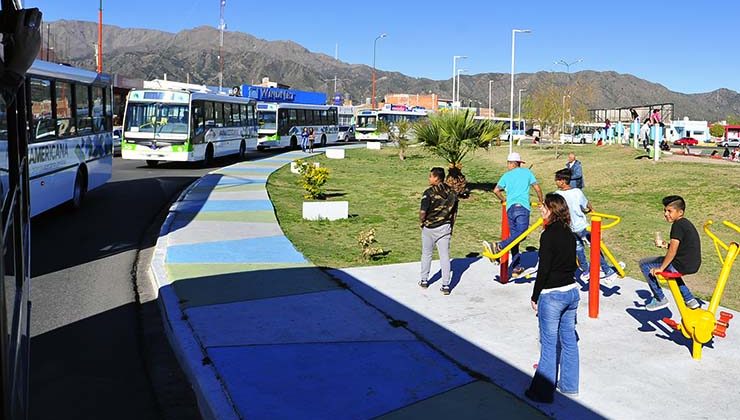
(304, 143)
(558, 344)
(654, 262)
(518, 217)
(582, 237)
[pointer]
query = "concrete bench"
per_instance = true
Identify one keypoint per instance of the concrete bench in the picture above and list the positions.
(325, 210)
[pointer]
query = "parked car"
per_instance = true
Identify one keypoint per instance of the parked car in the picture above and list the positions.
(686, 141)
(346, 134)
(730, 143)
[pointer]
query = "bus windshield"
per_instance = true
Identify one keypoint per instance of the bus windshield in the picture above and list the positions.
(156, 118)
(365, 121)
(267, 120)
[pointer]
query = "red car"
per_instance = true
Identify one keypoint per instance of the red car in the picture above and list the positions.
(686, 141)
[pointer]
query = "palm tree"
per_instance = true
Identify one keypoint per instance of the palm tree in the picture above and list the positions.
(451, 136)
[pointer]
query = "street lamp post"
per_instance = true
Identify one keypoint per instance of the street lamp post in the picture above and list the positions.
(562, 124)
(458, 82)
(567, 65)
(490, 82)
(375, 45)
(511, 99)
(454, 73)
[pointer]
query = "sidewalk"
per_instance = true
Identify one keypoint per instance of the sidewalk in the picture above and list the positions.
(262, 333)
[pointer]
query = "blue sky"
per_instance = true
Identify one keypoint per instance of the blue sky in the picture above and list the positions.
(687, 46)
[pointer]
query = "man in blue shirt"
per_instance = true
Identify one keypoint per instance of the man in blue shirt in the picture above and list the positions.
(515, 182)
(576, 171)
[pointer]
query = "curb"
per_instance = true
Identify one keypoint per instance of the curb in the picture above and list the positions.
(212, 398)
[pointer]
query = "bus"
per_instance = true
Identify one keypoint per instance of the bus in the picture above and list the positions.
(367, 121)
(520, 127)
(346, 123)
(581, 133)
(184, 125)
(70, 149)
(281, 124)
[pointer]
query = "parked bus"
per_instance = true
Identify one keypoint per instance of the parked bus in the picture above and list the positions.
(367, 121)
(281, 124)
(581, 133)
(70, 150)
(186, 126)
(346, 123)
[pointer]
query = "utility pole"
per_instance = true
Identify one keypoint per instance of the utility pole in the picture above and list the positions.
(336, 58)
(48, 35)
(100, 38)
(221, 27)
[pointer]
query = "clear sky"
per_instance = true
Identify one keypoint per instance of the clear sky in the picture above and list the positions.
(688, 46)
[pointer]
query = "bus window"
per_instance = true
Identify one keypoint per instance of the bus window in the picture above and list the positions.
(283, 122)
(243, 115)
(41, 110)
(82, 111)
(198, 126)
(210, 121)
(292, 117)
(218, 115)
(98, 99)
(64, 123)
(333, 116)
(301, 116)
(251, 115)
(228, 118)
(108, 100)
(324, 118)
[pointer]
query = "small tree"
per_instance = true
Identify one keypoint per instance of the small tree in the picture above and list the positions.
(366, 239)
(400, 136)
(312, 179)
(452, 136)
(717, 130)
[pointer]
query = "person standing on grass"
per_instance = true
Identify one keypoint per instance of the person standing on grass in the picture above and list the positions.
(577, 204)
(515, 182)
(683, 255)
(436, 219)
(555, 302)
(576, 171)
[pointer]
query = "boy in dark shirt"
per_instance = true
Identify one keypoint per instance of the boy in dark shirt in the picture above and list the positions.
(683, 255)
(436, 217)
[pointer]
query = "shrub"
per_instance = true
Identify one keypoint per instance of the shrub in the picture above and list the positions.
(366, 239)
(312, 179)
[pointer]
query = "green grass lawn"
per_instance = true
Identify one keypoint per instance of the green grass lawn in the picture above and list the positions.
(384, 193)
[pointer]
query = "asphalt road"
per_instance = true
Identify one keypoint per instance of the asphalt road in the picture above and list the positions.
(89, 344)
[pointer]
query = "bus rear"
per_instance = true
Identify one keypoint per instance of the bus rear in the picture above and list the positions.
(267, 126)
(156, 126)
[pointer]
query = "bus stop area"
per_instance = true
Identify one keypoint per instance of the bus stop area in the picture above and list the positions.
(263, 333)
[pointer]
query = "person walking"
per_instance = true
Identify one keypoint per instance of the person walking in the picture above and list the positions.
(304, 139)
(311, 139)
(576, 171)
(515, 182)
(555, 302)
(437, 217)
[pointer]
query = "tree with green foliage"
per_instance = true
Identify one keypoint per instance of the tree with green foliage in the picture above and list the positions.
(452, 136)
(717, 130)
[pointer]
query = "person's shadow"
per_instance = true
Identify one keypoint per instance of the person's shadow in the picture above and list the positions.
(458, 266)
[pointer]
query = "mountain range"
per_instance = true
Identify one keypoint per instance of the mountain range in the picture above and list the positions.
(193, 54)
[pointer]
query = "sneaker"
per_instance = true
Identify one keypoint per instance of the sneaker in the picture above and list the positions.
(585, 276)
(693, 304)
(656, 305)
(622, 264)
(517, 272)
(567, 394)
(488, 248)
(445, 290)
(424, 284)
(609, 280)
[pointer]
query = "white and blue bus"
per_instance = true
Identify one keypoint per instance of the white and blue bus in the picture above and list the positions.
(70, 150)
(281, 124)
(186, 126)
(367, 121)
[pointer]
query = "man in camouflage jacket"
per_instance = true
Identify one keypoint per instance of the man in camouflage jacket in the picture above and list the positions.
(436, 218)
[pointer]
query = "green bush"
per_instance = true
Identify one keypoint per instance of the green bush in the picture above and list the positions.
(312, 179)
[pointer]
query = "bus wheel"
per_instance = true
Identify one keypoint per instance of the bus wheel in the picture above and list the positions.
(323, 140)
(80, 188)
(293, 143)
(152, 163)
(260, 148)
(208, 159)
(243, 150)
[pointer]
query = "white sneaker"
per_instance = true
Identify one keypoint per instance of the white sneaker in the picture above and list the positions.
(622, 264)
(609, 280)
(585, 276)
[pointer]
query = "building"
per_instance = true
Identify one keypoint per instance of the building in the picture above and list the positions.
(431, 101)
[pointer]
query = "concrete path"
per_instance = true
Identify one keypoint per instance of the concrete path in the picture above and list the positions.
(262, 333)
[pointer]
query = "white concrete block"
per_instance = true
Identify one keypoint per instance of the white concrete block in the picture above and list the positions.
(335, 153)
(373, 145)
(329, 210)
(294, 167)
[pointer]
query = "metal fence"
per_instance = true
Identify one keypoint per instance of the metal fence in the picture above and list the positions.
(624, 114)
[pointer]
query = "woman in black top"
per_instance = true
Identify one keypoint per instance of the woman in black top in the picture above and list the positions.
(555, 300)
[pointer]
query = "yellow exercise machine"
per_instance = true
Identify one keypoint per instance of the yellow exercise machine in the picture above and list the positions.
(607, 253)
(699, 325)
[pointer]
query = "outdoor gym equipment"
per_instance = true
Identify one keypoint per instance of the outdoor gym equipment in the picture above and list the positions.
(699, 325)
(597, 247)
(502, 257)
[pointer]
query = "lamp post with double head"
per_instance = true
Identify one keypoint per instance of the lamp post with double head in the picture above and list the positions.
(519, 104)
(511, 99)
(454, 73)
(375, 45)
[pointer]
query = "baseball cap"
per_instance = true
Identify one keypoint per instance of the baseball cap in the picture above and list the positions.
(514, 157)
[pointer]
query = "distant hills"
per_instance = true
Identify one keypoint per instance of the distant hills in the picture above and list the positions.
(147, 54)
